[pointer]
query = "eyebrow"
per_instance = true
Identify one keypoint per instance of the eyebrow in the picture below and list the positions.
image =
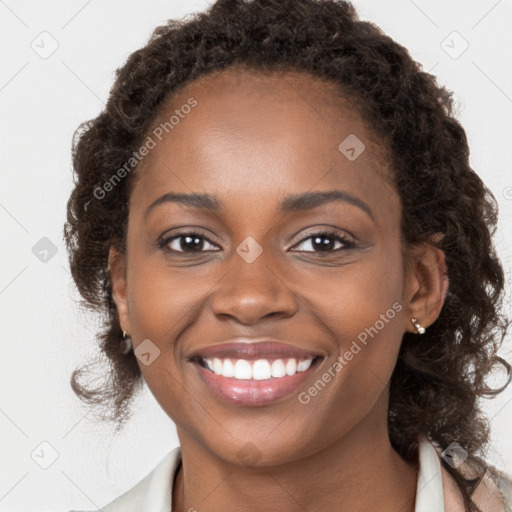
(291, 203)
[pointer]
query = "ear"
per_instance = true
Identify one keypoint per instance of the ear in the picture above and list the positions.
(117, 270)
(426, 285)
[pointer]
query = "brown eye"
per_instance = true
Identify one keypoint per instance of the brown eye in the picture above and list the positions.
(325, 241)
(188, 242)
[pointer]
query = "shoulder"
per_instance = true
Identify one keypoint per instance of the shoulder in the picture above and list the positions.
(498, 483)
(153, 492)
(492, 494)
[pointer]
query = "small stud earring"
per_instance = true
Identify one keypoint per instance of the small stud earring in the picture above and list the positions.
(419, 328)
(127, 343)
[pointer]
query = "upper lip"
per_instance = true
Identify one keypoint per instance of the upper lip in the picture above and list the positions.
(247, 348)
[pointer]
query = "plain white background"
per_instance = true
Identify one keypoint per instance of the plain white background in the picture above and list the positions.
(44, 334)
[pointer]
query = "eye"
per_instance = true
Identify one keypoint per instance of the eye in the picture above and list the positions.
(187, 242)
(193, 242)
(325, 241)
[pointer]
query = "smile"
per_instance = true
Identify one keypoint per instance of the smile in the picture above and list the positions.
(254, 374)
(261, 369)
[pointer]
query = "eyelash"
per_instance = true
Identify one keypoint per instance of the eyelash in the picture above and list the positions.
(348, 244)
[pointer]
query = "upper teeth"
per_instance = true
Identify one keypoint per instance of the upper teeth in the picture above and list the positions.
(259, 369)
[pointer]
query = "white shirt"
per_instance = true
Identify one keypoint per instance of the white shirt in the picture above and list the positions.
(436, 490)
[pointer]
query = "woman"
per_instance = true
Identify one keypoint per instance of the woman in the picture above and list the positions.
(277, 213)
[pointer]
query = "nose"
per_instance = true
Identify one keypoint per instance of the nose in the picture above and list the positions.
(250, 292)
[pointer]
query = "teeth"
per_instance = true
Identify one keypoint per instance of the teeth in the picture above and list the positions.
(243, 369)
(228, 370)
(261, 369)
(217, 366)
(304, 365)
(291, 367)
(278, 368)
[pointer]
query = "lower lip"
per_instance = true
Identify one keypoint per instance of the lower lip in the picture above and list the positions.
(252, 392)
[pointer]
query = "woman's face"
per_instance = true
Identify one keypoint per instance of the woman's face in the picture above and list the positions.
(259, 267)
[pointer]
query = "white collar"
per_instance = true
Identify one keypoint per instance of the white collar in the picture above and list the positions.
(429, 487)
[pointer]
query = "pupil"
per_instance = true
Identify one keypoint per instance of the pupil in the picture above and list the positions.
(186, 240)
(326, 245)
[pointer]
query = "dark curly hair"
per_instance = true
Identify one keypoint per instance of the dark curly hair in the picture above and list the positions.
(440, 376)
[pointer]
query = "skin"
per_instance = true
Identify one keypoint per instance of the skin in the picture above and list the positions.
(252, 139)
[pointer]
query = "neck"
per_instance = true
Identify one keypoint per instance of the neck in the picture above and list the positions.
(360, 472)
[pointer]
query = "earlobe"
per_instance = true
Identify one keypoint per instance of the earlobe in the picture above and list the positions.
(427, 286)
(117, 271)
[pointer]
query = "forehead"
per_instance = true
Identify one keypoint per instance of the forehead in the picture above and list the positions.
(252, 132)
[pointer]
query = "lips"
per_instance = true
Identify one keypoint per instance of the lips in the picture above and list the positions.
(254, 373)
(253, 350)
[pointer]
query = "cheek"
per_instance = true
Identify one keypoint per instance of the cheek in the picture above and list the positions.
(160, 308)
(165, 304)
(162, 299)
(352, 299)
(362, 308)
(362, 311)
